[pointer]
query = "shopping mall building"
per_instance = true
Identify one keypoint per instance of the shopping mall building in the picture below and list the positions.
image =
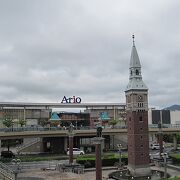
(89, 115)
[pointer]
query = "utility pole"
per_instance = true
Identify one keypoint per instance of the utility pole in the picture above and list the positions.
(160, 136)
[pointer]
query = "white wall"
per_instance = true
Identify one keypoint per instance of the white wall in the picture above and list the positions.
(150, 116)
(175, 117)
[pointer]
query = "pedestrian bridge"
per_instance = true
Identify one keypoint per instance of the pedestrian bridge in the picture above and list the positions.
(14, 133)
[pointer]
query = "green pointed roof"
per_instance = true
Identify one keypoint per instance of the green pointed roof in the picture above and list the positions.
(54, 117)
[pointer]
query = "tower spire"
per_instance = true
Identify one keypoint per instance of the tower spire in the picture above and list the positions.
(135, 77)
(133, 37)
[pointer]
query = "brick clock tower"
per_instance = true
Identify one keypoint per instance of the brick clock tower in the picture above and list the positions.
(137, 119)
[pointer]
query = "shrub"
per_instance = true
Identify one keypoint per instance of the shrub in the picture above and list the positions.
(175, 158)
(107, 160)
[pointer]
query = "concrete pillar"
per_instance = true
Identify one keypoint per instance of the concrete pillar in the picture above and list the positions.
(41, 145)
(174, 142)
(160, 138)
(102, 146)
(65, 144)
(111, 141)
(152, 137)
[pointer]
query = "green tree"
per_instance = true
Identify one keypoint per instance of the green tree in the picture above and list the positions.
(22, 122)
(113, 122)
(8, 122)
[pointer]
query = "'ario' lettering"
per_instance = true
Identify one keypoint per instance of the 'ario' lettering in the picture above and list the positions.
(73, 99)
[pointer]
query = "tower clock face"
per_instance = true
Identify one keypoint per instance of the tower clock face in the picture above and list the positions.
(140, 98)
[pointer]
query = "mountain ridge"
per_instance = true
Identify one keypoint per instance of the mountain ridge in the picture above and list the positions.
(174, 107)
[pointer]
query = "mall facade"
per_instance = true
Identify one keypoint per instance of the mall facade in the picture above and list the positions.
(42, 115)
(90, 115)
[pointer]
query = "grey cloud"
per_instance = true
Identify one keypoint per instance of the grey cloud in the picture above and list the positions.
(51, 49)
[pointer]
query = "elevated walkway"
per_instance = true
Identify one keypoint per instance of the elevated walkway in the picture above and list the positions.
(85, 131)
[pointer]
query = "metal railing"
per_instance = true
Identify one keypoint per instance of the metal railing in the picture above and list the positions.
(6, 172)
(22, 129)
(165, 126)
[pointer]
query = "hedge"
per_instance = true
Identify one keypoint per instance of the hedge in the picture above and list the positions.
(107, 160)
(175, 158)
(176, 178)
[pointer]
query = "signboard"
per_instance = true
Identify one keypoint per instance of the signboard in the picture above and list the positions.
(104, 116)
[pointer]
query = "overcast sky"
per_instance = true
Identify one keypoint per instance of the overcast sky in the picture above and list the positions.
(52, 48)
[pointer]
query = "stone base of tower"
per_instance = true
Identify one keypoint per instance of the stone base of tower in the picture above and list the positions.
(139, 171)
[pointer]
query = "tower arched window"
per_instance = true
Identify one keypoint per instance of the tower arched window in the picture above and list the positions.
(137, 72)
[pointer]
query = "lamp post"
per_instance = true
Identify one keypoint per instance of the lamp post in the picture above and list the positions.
(16, 162)
(119, 148)
(97, 142)
(71, 135)
(164, 156)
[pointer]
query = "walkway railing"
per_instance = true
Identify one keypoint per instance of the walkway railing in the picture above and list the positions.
(165, 125)
(21, 129)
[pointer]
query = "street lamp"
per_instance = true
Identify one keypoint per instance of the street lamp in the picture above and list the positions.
(165, 156)
(71, 135)
(16, 162)
(97, 141)
(119, 148)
